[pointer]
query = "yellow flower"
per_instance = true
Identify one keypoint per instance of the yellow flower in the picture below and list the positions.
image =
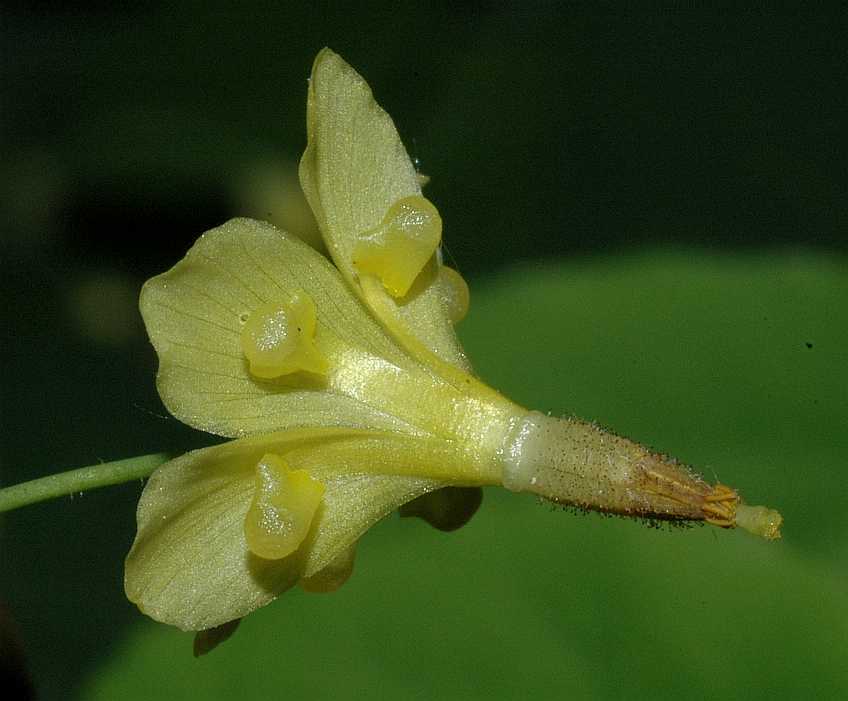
(347, 391)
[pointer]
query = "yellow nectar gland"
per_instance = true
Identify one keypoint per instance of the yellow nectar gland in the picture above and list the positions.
(278, 338)
(283, 508)
(397, 250)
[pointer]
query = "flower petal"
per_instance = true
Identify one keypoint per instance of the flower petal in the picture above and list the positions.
(447, 508)
(191, 566)
(195, 314)
(354, 170)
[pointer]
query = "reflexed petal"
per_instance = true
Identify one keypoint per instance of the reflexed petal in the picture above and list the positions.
(354, 170)
(447, 508)
(191, 566)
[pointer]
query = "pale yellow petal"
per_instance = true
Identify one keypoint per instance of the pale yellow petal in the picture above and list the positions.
(190, 565)
(194, 315)
(360, 377)
(354, 171)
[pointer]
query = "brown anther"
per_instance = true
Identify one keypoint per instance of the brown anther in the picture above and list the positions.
(719, 506)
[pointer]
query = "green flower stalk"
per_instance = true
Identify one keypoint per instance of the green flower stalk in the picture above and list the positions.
(347, 394)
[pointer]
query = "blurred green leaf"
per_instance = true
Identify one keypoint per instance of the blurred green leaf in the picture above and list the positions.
(733, 363)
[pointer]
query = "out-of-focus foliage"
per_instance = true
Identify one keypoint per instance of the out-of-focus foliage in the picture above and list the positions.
(704, 356)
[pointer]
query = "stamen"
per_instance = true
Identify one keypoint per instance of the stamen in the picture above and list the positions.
(720, 506)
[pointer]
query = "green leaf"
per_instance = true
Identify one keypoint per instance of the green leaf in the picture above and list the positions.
(702, 356)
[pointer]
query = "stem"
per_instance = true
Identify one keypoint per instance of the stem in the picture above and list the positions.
(84, 478)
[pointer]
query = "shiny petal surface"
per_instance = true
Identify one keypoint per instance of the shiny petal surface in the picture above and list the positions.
(190, 565)
(195, 313)
(354, 169)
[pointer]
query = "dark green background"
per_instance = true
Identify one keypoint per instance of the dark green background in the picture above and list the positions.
(651, 210)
